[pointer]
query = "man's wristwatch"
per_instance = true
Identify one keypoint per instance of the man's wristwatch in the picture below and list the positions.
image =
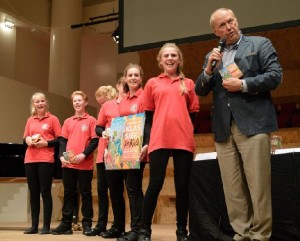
(242, 86)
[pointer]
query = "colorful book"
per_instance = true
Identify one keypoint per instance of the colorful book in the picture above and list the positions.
(231, 70)
(125, 142)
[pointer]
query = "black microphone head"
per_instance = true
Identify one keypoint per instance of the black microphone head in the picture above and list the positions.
(222, 41)
(222, 44)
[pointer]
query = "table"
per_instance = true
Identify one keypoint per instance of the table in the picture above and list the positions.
(208, 218)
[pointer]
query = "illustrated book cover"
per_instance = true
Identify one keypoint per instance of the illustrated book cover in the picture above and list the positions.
(125, 142)
(231, 70)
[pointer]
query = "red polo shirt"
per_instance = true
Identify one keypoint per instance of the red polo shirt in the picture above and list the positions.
(132, 104)
(109, 110)
(49, 128)
(79, 131)
(172, 127)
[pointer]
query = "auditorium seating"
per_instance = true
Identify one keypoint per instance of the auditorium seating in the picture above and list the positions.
(295, 120)
(287, 115)
(284, 120)
(202, 123)
(286, 108)
(204, 126)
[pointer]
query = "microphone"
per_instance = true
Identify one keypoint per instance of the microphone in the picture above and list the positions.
(221, 47)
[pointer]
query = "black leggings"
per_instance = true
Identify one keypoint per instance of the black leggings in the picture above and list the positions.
(74, 179)
(158, 164)
(39, 178)
(102, 190)
(133, 180)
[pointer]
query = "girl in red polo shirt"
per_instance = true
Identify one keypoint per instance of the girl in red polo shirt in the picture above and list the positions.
(108, 111)
(41, 134)
(77, 144)
(130, 104)
(170, 102)
(103, 94)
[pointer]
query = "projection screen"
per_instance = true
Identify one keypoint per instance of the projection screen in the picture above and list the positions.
(146, 24)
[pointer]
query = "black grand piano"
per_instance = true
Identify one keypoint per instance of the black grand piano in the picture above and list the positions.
(12, 161)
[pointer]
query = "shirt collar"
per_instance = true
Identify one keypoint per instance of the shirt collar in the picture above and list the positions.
(47, 114)
(81, 117)
(162, 75)
(234, 46)
(136, 94)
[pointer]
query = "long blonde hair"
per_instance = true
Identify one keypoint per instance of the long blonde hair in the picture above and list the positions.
(32, 108)
(183, 88)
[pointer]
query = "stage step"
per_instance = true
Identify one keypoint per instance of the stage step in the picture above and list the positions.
(14, 202)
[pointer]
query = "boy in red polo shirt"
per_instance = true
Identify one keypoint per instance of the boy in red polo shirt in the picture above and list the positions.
(77, 144)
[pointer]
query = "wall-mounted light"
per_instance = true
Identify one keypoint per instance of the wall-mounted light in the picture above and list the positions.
(115, 35)
(9, 23)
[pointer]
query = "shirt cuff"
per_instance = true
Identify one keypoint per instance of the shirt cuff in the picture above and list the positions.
(206, 76)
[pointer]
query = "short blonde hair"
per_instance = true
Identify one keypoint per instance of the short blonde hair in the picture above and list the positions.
(107, 91)
(32, 108)
(79, 92)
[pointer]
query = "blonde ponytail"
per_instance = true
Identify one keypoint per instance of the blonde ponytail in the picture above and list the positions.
(183, 89)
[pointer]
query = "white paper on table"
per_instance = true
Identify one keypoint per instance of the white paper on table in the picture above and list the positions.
(206, 156)
(288, 150)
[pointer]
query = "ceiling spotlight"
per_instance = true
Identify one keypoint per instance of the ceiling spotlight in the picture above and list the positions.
(115, 35)
(9, 23)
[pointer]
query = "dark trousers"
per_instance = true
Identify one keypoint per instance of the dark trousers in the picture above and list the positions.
(158, 165)
(133, 180)
(39, 178)
(73, 179)
(102, 189)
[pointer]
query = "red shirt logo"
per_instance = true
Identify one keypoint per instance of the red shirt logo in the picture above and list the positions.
(133, 108)
(84, 127)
